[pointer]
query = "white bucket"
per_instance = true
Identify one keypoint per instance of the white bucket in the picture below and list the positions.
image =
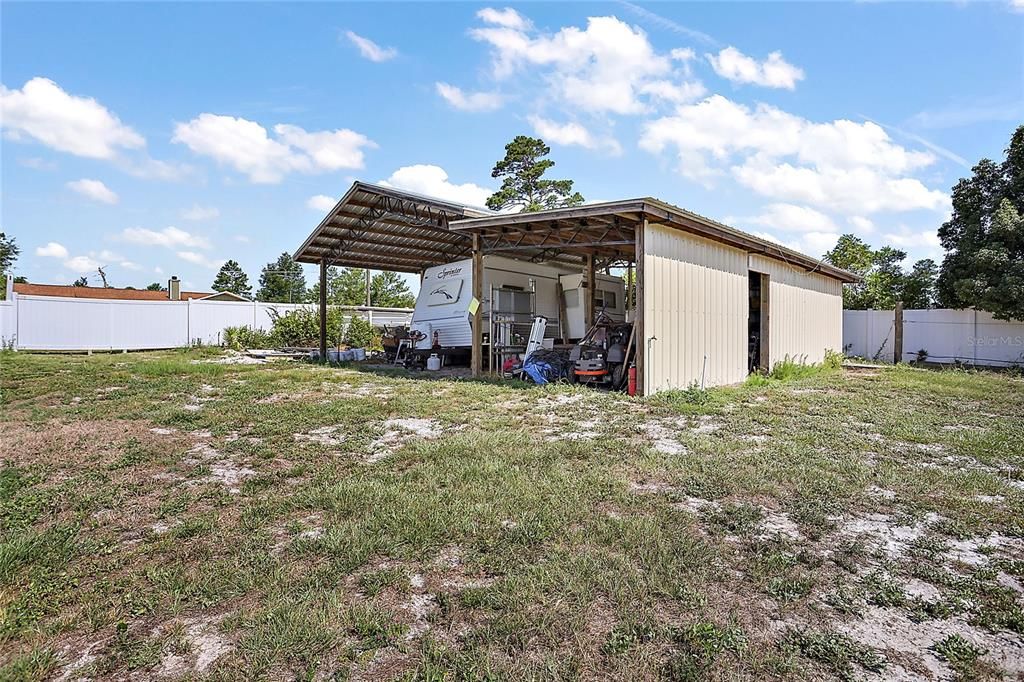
(433, 362)
(358, 354)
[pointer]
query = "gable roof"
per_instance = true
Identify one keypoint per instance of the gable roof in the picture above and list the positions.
(112, 293)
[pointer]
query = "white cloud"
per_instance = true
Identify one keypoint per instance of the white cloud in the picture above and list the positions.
(370, 49)
(599, 69)
(158, 270)
(433, 181)
(169, 237)
(858, 189)
(817, 243)
(35, 163)
(153, 169)
(793, 218)
(52, 250)
(861, 224)
(247, 147)
(508, 17)
(675, 93)
(93, 189)
(242, 238)
(926, 240)
(198, 213)
(774, 72)
(78, 125)
(199, 259)
(469, 101)
(839, 165)
(82, 264)
(321, 203)
(572, 133)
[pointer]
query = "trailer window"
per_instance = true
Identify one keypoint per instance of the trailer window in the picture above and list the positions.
(604, 299)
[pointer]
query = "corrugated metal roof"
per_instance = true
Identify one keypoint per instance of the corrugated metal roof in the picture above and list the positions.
(386, 228)
(389, 229)
(589, 226)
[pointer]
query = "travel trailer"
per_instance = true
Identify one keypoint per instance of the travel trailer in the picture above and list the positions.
(515, 292)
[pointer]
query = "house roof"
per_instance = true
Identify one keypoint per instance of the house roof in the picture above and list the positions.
(111, 293)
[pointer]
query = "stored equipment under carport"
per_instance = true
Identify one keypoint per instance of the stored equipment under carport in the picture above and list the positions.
(602, 357)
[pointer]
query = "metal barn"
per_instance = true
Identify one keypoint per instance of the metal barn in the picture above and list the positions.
(711, 302)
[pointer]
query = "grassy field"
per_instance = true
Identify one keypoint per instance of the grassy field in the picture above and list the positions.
(169, 515)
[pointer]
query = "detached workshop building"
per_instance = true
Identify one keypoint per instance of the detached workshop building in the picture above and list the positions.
(711, 301)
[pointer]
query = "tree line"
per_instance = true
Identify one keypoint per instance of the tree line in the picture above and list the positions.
(283, 281)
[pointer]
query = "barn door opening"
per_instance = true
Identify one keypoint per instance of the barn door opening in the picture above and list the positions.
(757, 322)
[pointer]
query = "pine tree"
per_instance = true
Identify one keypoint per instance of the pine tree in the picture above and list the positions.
(282, 281)
(522, 185)
(389, 290)
(232, 278)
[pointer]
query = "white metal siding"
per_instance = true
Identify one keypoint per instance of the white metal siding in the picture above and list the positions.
(805, 312)
(695, 311)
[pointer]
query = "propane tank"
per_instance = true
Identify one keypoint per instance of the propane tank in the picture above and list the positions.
(631, 390)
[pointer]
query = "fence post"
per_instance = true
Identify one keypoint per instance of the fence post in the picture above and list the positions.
(188, 323)
(897, 343)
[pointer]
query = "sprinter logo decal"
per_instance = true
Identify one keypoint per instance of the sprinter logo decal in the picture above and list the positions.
(449, 272)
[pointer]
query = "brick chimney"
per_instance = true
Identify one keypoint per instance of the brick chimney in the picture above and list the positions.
(174, 288)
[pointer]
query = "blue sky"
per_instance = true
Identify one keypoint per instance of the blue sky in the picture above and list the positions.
(159, 139)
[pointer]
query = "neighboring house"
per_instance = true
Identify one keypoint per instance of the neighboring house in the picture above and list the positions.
(173, 293)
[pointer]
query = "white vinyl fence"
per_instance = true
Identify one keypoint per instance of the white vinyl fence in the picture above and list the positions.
(57, 323)
(948, 336)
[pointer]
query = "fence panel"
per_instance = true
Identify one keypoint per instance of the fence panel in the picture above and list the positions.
(208, 319)
(54, 323)
(945, 335)
(868, 334)
(8, 321)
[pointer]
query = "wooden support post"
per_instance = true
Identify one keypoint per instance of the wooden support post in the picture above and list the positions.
(638, 313)
(367, 287)
(590, 292)
(897, 344)
(477, 354)
(323, 310)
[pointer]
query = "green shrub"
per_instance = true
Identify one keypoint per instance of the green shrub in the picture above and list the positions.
(361, 334)
(240, 338)
(302, 327)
